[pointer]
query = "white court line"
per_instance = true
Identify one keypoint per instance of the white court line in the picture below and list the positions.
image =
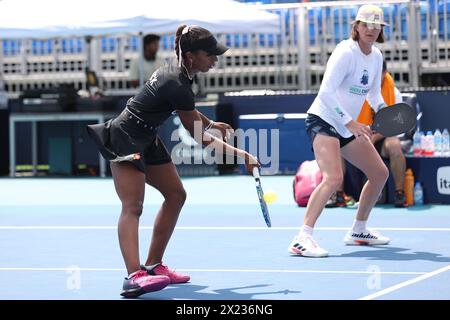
(405, 283)
(225, 270)
(210, 228)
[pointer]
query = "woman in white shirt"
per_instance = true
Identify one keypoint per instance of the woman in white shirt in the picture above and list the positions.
(353, 74)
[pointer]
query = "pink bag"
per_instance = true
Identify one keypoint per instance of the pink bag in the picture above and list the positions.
(307, 178)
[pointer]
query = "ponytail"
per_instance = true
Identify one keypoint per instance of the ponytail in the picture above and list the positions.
(177, 40)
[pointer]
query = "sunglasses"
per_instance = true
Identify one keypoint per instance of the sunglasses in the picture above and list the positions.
(372, 26)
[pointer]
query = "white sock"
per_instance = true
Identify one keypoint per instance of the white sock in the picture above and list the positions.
(359, 226)
(306, 230)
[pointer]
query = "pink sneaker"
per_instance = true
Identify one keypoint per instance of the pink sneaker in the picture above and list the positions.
(163, 270)
(141, 282)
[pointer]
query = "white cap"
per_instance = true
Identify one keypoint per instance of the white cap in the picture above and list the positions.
(370, 13)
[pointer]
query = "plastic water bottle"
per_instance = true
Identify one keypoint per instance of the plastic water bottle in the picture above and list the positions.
(445, 143)
(437, 143)
(409, 187)
(417, 149)
(423, 143)
(418, 194)
(429, 144)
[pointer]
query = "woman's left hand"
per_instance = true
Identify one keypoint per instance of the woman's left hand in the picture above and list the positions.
(224, 128)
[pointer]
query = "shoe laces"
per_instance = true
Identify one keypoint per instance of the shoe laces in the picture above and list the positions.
(373, 232)
(309, 239)
(137, 274)
(166, 268)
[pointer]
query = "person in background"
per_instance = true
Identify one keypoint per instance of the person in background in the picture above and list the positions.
(388, 147)
(151, 60)
(340, 198)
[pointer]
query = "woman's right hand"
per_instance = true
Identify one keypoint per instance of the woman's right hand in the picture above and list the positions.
(250, 163)
(359, 130)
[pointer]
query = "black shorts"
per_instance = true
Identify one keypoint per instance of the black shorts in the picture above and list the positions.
(126, 135)
(316, 125)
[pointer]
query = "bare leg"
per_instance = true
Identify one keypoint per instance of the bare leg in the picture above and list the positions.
(341, 186)
(363, 155)
(130, 187)
(393, 150)
(326, 150)
(165, 178)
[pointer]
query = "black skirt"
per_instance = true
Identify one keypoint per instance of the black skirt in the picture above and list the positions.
(128, 134)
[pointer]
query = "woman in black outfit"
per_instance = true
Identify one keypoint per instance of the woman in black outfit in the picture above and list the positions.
(138, 155)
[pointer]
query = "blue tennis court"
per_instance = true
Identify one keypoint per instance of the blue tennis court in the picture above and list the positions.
(58, 240)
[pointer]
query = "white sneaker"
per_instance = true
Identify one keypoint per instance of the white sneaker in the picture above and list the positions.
(368, 237)
(306, 246)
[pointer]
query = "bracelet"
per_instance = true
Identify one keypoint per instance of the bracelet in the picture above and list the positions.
(209, 126)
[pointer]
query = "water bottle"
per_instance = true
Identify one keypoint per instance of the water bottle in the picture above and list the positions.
(437, 143)
(429, 144)
(417, 149)
(445, 143)
(418, 194)
(409, 187)
(423, 143)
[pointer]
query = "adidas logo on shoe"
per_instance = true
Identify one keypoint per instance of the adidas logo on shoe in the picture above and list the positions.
(368, 237)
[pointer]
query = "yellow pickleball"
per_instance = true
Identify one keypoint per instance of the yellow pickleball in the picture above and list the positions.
(270, 197)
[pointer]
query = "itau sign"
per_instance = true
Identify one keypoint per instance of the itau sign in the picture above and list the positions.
(443, 180)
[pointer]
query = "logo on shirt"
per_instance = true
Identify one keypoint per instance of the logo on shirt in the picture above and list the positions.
(153, 79)
(360, 91)
(339, 111)
(365, 77)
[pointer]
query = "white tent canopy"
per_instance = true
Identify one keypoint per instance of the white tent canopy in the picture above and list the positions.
(56, 18)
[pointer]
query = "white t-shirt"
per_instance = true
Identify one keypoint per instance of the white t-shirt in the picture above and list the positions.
(350, 77)
(149, 68)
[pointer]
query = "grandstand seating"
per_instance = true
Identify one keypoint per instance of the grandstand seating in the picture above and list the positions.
(256, 61)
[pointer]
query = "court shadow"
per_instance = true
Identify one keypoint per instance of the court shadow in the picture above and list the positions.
(196, 292)
(395, 254)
